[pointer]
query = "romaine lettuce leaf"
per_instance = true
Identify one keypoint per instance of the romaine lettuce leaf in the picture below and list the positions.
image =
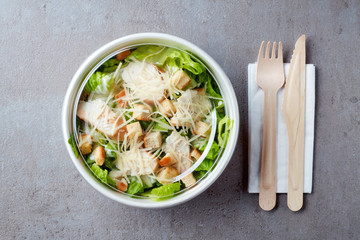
(102, 174)
(109, 66)
(72, 143)
(158, 127)
(224, 127)
(109, 163)
(99, 82)
(147, 181)
(110, 151)
(201, 144)
(90, 159)
(135, 186)
(205, 165)
(214, 151)
(212, 90)
(166, 190)
(171, 57)
(199, 174)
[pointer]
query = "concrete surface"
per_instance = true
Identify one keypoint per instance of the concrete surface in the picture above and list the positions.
(42, 43)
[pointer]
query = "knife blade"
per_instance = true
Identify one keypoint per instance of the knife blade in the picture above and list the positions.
(293, 111)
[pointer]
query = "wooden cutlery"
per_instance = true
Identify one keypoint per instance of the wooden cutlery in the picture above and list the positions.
(293, 110)
(270, 78)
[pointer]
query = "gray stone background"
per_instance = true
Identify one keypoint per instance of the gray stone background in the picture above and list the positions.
(42, 43)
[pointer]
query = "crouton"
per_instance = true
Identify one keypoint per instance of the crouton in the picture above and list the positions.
(166, 175)
(166, 160)
(85, 142)
(142, 112)
(120, 98)
(98, 114)
(195, 154)
(202, 129)
(188, 180)
(99, 155)
(122, 185)
(121, 56)
(180, 79)
(167, 108)
(134, 130)
(153, 140)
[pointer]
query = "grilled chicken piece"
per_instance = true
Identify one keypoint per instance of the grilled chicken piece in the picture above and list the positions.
(145, 82)
(100, 116)
(137, 162)
(179, 149)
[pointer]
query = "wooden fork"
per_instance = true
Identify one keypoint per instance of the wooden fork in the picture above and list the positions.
(270, 78)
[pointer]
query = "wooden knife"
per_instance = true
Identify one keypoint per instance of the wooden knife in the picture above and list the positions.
(293, 110)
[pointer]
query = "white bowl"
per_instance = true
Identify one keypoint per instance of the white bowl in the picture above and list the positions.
(226, 89)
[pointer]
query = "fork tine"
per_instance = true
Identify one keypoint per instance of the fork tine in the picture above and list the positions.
(280, 52)
(273, 50)
(261, 51)
(267, 53)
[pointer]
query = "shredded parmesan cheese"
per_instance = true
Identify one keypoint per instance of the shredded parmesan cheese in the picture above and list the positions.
(190, 108)
(145, 81)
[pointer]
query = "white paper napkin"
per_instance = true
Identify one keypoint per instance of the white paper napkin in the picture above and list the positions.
(256, 104)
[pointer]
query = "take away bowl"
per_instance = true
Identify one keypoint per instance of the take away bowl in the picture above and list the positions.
(227, 91)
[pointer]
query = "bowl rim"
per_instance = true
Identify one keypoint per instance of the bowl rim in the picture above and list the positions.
(222, 80)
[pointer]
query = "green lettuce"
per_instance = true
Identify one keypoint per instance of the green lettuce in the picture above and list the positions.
(100, 83)
(223, 130)
(145, 124)
(135, 186)
(102, 174)
(110, 156)
(90, 159)
(110, 151)
(158, 127)
(205, 165)
(199, 174)
(171, 57)
(147, 181)
(210, 89)
(165, 190)
(214, 151)
(109, 163)
(109, 66)
(72, 143)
